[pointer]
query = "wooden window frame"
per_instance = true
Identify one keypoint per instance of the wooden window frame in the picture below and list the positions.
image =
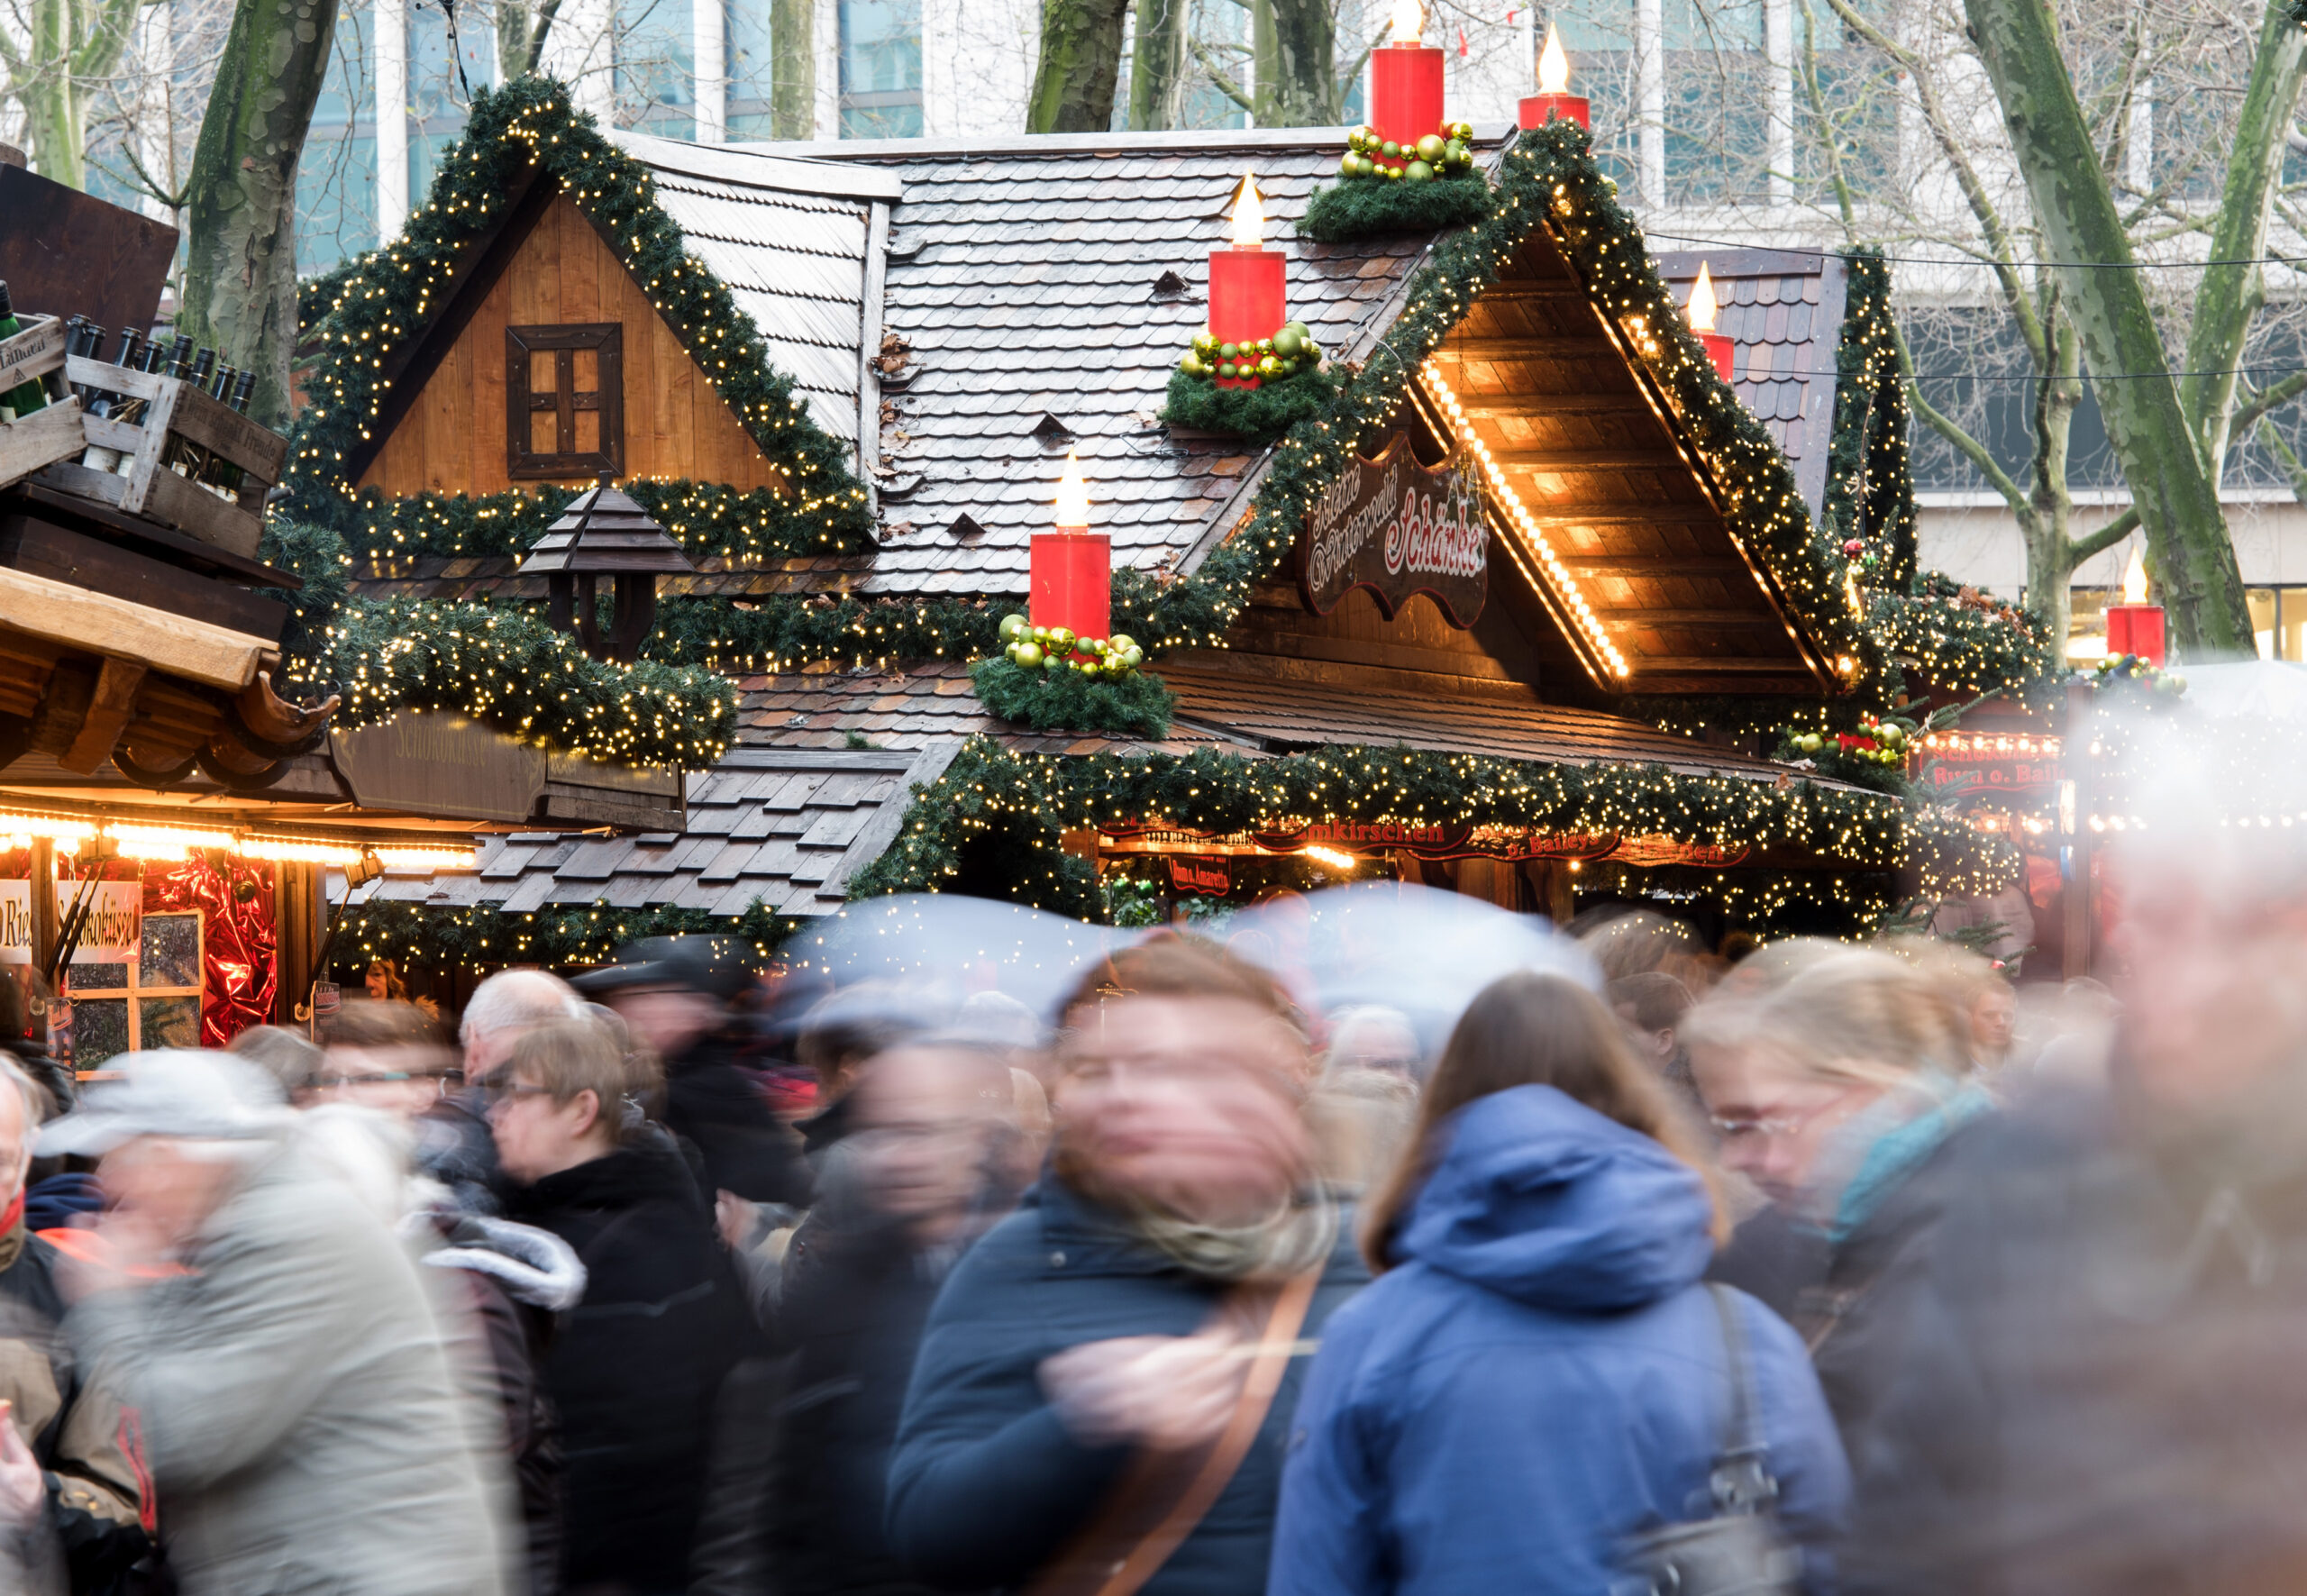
(606, 339)
(136, 992)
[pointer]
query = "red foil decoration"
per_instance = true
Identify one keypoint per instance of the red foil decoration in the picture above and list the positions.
(239, 936)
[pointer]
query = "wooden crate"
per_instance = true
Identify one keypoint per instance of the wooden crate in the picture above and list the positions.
(36, 354)
(174, 410)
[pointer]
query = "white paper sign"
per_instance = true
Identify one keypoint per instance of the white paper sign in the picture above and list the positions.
(115, 929)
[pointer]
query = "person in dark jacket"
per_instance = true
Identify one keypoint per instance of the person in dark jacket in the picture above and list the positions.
(674, 994)
(1841, 1096)
(1538, 1375)
(637, 1369)
(1097, 1343)
(916, 1181)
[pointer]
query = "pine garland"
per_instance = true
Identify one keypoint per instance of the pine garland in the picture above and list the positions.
(1965, 641)
(1870, 473)
(1260, 414)
(485, 934)
(501, 665)
(394, 291)
(1137, 704)
(709, 520)
(1374, 208)
(1020, 803)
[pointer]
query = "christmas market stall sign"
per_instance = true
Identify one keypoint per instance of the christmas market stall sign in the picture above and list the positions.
(1396, 528)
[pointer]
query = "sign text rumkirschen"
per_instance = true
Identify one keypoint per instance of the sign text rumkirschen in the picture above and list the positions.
(1391, 525)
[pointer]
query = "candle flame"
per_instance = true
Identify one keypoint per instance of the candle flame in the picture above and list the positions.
(1410, 21)
(1554, 67)
(1249, 216)
(2134, 577)
(1702, 306)
(1072, 495)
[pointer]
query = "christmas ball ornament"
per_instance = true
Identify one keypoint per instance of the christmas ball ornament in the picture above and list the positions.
(1429, 148)
(1289, 344)
(1853, 548)
(1226, 351)
(1191, 366)
(1014, 627)
(1390, 151)
(1061, 640)
(1096, 645)
(1226, 369)
(1204, 346)
(1029, 655)
(1418, 171)
(1268, 367)
(1121, 643)
(1349, 165)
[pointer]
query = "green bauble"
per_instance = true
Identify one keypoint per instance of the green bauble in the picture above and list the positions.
(1121, 643)
(1226, 351)
(1095, 645)
(1454, 153)
(1420, 172)
(1191, 365)
(1348, 165)
(1028, 656)
(1061, 640)
(1269, 366)
(1290, 343)
(1226, 369)
(1464, 129)
(1266, 346)
(1204, 346)
(1013, 628)
(1390, 151)
(1430, 148)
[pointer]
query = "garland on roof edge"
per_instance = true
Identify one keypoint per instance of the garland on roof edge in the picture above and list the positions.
(486, 934)
(395, 291)
(1019, 804)
(709, 520)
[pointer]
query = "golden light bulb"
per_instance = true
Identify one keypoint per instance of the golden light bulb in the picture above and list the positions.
(1554, 67)
(1410, 21)
(2135, 577)
(1249, 216)
(1072, 495)
(1702, 307)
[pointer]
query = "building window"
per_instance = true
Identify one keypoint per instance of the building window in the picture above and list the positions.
(881, 69)
(153, 1001)
(564, 400)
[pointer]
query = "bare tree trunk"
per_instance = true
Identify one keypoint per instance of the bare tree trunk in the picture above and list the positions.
(1157, 66)
(2171, 486)
(73, 43)
(2230, 295)
(240, 282)
(793, 69)
(1080, 67)
(513, 54)
(1297, 79)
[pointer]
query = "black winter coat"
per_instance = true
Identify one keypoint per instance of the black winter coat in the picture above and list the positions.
(856, 1295)
(986, 1486)
(715, 1104)
(637, 1368)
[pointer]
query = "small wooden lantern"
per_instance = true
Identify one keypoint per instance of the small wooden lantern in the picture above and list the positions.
(603, 533)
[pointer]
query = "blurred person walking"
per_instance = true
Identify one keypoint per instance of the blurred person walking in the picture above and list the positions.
(923, 1172)
(675, 995)
(273, 1339)
(638, 1365)
(74, 1512)
(1843, 1096)
(453, 1144)
(1537, 1376)
(1106, 1383)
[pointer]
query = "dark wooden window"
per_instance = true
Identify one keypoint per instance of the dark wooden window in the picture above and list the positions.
(564, 400)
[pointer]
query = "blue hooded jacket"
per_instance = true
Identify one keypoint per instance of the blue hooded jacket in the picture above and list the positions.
(1539, 1377)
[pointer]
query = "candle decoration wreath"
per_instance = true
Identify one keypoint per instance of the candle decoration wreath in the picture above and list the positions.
(1384, 187)
(1873, 755)
(1046, 677)
(1284, 379)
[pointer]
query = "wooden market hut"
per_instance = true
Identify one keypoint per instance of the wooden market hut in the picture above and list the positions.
(951, 320)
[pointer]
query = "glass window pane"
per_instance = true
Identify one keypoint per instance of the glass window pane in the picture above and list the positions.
(99, 978)
(172, 950)
(99, 1030)
(168, 1022)
(881, 69)
(655, 44)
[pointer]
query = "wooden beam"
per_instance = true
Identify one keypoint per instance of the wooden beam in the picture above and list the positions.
(1585, 346)
(1565, 289)
(107, 716)
(1588, 459)
(1686, 665)
(1660, 565)
(98, 622)
(1535, 406)
(1692, 617)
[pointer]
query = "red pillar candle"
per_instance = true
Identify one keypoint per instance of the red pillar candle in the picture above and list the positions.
(1070, 577)
(1553, 98)
(1246, 283)
(1702, 308)
(2135, 627)
(1404, 83)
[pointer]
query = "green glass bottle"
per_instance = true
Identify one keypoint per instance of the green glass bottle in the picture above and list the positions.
(26, 397)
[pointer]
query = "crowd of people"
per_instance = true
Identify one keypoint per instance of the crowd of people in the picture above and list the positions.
(1835, 1268)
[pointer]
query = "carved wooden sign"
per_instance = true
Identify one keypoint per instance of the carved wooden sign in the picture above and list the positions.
(1397, 528)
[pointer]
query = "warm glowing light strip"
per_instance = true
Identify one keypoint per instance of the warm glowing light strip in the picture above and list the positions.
(166, 843)
(46, 826)
(1565, 586)
(427, 858)
(1334, 858)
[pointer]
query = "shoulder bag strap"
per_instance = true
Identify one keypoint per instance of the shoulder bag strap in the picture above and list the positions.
(1741, 1479)
(1164, 1495)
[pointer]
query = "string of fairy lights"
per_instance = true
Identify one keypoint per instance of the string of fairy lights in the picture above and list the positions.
(158, 842)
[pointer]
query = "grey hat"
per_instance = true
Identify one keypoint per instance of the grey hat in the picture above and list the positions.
(170, 1091)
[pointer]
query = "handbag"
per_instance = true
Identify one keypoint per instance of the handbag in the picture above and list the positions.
(1740, 1549)
(1164, 1495)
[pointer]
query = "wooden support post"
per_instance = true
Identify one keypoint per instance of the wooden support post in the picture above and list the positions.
(300, 919)
(43, 891)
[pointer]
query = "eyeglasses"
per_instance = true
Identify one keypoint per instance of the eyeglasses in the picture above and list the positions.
(441, 1080)
(498, 1089)
(1733, 1130)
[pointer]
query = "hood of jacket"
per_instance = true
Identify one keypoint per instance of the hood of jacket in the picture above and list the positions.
(650, 1171)
(1542, 1199)
(535, 1266)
